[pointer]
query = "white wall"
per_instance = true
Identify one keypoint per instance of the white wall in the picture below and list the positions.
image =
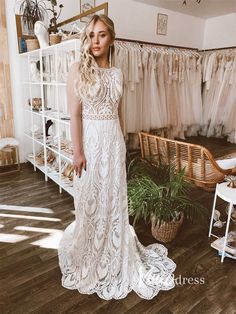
(220, 32)
(135, 20)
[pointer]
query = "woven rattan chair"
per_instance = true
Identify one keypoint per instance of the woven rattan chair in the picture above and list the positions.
(199, 164)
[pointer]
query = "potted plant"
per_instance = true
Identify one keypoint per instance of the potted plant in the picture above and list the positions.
(32, 11)
(161, 196)
(54, 37)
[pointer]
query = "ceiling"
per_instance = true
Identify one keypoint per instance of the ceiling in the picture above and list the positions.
(206, 9)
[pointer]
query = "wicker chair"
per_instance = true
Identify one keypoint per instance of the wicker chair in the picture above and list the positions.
(199, 164)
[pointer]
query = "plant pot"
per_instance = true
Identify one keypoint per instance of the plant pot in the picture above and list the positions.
(32, 44)
(167, 231)
(54, 39)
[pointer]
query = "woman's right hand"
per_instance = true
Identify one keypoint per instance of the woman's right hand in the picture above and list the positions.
(79, 163)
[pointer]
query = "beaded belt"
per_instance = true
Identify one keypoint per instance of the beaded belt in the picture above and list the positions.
(99, 116)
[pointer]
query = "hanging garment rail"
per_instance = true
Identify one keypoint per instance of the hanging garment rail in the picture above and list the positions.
(172, 46)
(217, 49)
(154, 44)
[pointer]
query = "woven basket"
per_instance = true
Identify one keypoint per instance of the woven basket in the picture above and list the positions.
(166, 232)
(32, 44)
(54, 39)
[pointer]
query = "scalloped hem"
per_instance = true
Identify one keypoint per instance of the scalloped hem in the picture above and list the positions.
(101, 296)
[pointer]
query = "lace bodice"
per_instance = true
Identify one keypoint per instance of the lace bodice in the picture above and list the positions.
(102, 99)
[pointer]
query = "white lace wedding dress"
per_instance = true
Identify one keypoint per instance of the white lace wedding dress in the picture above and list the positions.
(100, 252)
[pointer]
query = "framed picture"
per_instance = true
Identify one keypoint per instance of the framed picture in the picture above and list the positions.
(86, 5)
(162, 24)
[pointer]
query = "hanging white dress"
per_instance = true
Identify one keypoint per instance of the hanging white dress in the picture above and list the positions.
(100, 252)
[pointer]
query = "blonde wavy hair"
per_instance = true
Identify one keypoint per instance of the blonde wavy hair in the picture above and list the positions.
(87, 65)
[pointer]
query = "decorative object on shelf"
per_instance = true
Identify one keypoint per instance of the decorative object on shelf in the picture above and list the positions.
(86, 5)
(34, 72)
(54, 39)
(230, 247)
(31, 11)
(218, 223)
(68, 172)
(233, 214)
(65, 118)
(55, 15)
(35, 130)
(161, 196)
(185, 2)
(232, 181)
(75, 32)
(162, 20)
(22, 35)
(50, 157)
(67, 26)
(22, 47)
(52, 141)
(39, 157)
(47, 126)
(36, 103)
(32, 44)
(41, 32)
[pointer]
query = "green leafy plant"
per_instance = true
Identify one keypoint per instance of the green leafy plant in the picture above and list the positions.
(32, 11)
(159, 193)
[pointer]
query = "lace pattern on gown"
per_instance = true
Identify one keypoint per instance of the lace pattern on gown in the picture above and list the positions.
(100, 252)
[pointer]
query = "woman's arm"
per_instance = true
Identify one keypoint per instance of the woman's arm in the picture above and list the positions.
(121, 106)
(75, 108)
(120, 113)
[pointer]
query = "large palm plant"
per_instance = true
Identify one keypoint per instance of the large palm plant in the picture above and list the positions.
(160, 193)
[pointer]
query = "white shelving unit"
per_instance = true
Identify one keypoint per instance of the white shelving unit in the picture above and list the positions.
(44, 74)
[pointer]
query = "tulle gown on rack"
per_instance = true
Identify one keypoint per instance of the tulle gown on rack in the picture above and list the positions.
(99, 252)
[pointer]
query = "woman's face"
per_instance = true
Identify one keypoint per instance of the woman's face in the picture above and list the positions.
(100, 40)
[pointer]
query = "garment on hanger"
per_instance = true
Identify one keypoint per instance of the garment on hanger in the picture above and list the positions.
(219, 94)
(162, 88)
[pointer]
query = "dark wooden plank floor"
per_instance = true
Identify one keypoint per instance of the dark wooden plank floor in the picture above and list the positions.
(30, 276)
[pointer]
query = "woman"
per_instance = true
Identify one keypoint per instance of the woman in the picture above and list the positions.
(99, 252)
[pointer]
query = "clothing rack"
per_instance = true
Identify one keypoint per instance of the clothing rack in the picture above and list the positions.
(168, 46)
(154, 44)
(215, 49)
